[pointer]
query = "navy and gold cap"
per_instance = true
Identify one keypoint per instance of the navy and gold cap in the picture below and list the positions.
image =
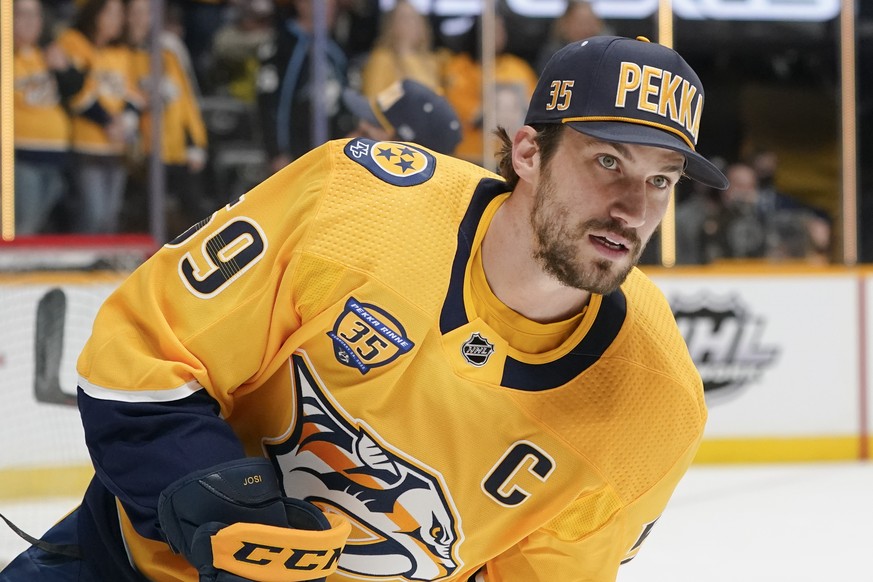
(627, 91)
(411, 111)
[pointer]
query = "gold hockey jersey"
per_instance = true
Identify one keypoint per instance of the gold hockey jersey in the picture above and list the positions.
(108, 84)
(41, 124)
(334, 316)
(182, 123)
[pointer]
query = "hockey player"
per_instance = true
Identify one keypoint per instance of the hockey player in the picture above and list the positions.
(388, 364)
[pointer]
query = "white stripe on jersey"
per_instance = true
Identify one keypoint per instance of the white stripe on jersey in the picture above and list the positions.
(169, 395)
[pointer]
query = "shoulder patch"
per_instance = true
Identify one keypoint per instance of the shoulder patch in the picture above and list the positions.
(398, 163)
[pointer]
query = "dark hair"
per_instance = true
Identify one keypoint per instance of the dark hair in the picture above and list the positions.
(547, 138)
(85, 20)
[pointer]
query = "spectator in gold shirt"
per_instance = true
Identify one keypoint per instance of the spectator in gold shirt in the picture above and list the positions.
(105, 113)
(403, 50)
(42, 77)
(183, 137)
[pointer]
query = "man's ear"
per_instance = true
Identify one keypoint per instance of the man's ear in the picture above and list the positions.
(525, 154)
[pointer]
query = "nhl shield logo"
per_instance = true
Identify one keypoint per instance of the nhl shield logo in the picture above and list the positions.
(477, 350)
(724, 337)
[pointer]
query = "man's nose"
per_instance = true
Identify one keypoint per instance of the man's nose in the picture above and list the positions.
(631, 204)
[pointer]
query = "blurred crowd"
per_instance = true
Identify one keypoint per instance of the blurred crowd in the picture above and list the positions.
(752, 219)
(238, 101)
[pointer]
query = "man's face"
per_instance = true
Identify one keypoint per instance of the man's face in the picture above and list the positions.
(596, 206)
(743, 189)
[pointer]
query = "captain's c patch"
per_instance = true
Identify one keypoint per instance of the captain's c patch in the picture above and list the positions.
(397, 163)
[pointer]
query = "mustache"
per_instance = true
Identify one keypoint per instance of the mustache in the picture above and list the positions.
(611, 226)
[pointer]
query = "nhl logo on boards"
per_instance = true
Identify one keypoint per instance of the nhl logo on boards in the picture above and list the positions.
(724, 337)
(477, 350)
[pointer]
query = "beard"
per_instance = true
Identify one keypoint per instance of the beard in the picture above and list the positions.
(558, 244)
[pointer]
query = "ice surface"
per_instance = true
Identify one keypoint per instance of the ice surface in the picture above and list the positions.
(726, 523)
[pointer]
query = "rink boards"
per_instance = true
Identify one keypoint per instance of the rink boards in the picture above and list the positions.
(783, 354)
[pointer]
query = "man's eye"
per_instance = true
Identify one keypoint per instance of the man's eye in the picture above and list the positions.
(607, 161)
(660, 182)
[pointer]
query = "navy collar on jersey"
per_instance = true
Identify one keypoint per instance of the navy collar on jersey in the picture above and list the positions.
(520, 375)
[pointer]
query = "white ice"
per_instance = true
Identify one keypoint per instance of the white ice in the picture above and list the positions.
(763, 523)
(728, 523)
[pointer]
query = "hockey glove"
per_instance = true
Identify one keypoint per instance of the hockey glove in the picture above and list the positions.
(232, 523)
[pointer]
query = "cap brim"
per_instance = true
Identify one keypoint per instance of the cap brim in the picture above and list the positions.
(359, 106)
(697, 167)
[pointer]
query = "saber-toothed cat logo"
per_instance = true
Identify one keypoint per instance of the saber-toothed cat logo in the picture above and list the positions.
(404, 523)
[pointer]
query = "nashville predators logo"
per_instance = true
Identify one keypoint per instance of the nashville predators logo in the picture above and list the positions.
(404, 523)
(398, 163)
(365, 336)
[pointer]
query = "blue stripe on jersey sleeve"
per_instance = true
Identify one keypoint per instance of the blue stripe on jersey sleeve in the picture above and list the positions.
(140, 448)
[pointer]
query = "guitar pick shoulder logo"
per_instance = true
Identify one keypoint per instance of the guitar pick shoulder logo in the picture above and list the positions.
(397, 163)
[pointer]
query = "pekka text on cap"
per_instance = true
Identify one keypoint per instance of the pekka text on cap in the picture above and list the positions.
(674, 98)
